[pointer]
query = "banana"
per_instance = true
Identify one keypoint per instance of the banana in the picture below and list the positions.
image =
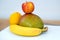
(26, 31)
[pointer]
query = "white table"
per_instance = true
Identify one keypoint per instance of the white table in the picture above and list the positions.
(53, 33)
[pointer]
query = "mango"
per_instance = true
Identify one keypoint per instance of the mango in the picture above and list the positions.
(31, 20)
(14, 18)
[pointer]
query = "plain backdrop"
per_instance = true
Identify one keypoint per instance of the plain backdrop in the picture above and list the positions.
(46, 9)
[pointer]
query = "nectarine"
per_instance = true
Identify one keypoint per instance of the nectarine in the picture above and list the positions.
(28, 7)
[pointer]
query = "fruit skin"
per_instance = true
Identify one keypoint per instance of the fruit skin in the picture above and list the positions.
(25, 31)
(14, 18)
(31, 20)
(28, 7)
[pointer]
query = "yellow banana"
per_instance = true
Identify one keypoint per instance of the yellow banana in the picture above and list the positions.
(25, 31)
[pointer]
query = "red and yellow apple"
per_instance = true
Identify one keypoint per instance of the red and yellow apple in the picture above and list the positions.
(28, 7)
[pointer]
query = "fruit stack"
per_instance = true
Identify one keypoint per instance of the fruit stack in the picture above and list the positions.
(28, 24)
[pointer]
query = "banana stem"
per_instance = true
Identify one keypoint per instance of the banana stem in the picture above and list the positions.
(44, 29)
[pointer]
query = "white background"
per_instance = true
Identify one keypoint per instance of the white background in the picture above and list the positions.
(46, 9)
(53, 33)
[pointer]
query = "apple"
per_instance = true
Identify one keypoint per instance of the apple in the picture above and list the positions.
(28, 7)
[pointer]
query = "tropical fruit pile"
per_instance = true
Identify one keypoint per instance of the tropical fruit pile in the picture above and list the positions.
(28, 24)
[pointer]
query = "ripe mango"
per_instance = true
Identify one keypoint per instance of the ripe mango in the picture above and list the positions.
(31, 20)
(14, 18)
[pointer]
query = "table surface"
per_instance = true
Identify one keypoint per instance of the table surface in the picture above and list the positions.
(53, 33)
(5, 22)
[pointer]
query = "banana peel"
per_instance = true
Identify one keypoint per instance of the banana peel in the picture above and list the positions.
(26, 31)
